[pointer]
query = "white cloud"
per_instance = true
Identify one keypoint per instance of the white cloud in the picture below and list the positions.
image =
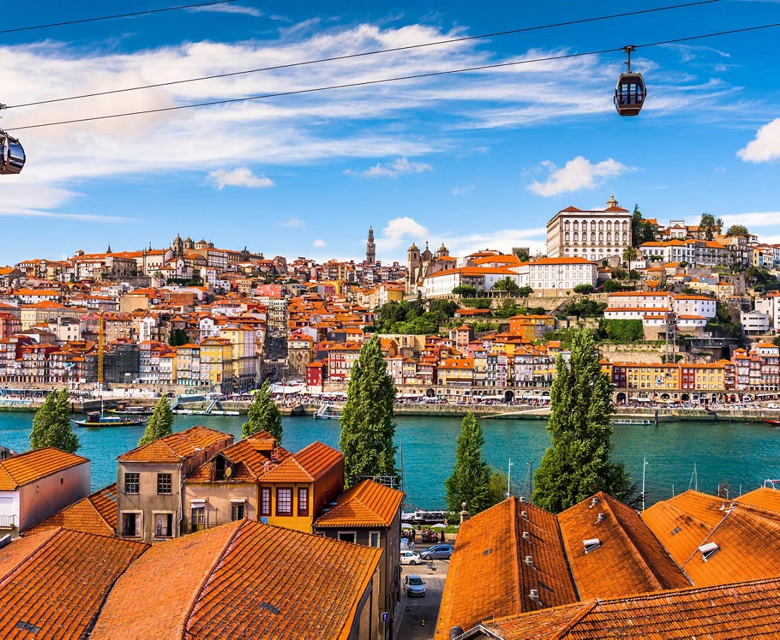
(229, 8)
(577, 174)
(399, 167)
(319, 243)
(241, 177)
(292, 222)
(398, 230)
(462, 191)
(501, 239)
(766, 145)
(754, 219)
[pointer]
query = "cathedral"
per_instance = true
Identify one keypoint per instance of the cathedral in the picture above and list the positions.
(419, 265)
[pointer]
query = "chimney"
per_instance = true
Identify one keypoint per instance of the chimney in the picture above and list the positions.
(464, 515)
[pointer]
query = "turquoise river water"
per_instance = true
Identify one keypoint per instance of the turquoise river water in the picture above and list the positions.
(732, 452)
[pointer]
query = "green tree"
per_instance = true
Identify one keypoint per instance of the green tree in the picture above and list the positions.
(619, 273)
(622, 331)
(577, 463)
(465, 290)
(160, 424)
(738, 230)
(524, 292)
(610, 286)
(521, 253)
(507, 284)
(629, 255)
(708, 225)
(507, 309)
(642, 230)
(51, 424)
(497, 486)
(470, 479)
(633, 274)
(584, 289)
(263, 415)
(367, 426)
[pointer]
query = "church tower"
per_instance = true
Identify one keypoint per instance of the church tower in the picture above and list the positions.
(370, 247)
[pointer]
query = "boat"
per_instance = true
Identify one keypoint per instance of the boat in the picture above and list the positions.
(327, 412)
(639, 421)
(97, 419)
(132, 411)
(774, 423)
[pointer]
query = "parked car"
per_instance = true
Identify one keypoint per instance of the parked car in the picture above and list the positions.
(414, 585)
(772, 405)
(437, 552)
(410, 557)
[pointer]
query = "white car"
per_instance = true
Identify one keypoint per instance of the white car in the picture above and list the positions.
(772, 405)
(410, 557)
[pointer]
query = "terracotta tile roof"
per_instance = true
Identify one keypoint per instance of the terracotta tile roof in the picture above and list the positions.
(629, 559)
(677, 530)
(701, 506)
(763, 498)
(25, 468)
(249, 456)
(94, 514)
(748, 542)
(57, 582)
(746, 610)
(203, 585)
(488, 575)
(176, 447)
(308, 465)
(368, 504)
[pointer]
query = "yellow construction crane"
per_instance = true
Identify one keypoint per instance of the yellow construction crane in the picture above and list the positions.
(101, 346)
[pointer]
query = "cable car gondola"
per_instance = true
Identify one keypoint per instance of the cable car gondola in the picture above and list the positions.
(11, 155)
(630, 92)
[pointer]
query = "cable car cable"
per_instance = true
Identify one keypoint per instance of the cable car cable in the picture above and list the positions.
(119, 15)
(364, 54)
(364, 83)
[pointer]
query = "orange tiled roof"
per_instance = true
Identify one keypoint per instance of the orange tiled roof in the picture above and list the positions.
(369, 504)
(746, 610)
(175, 447)
(629, 559)
(249, 456)
(677, 530)
(763, 498)
(25, 468)
(308, 465)
(488, 576)
(94, 514)
(57, 581)
(203, 585)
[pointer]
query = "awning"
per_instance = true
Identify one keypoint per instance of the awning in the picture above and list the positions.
(237, 500)
(198, 503)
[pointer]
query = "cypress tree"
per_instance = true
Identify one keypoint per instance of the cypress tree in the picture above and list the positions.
(577, 463)
(42, 421)
(470, 479)
(51, 424)
(264, 415)
(367, 426)
(160, 424)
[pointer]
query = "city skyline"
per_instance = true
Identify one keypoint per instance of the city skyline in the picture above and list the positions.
(475, 160)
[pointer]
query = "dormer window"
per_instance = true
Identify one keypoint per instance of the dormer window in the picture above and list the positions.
(708, 550)
(219, 468)
(591, 545)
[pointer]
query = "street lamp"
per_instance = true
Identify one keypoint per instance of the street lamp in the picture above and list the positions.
(509, 478)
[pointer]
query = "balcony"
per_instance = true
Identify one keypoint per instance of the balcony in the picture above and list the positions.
(7, 522)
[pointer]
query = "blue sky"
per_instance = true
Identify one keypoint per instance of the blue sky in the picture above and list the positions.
(475, 160)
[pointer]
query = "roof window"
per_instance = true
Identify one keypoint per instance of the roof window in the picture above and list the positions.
(708, 550)
(591, 545)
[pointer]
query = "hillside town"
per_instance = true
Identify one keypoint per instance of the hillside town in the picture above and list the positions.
(685, 314)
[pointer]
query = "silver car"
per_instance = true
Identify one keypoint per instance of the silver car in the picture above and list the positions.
(414, 585)
(437, 552)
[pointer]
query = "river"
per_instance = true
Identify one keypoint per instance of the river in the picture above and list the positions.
(723, 451)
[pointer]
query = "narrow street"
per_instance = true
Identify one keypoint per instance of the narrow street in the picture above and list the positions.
(418, 615)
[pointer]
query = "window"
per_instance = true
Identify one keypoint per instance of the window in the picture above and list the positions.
(237, 511)
(163, 525)
(164, 483)
(132, 482)
(303, 502)
(198, 518)
(284, 502)
(347, 536)
(131, 525)
(373, 539)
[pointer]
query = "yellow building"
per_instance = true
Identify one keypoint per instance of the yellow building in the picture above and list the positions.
(652, 376)
(709, 377)
(216, 364)
(244, 341)
(456, 372)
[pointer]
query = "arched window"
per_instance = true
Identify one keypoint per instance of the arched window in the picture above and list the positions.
(601, 225)
(609, 225)
(576, 236)
(566, 225)
(566, 236)
(625, 238)
(592, 225)
(593, 237)
(576, 225)
(609, 236)
(601, 237)
(625, 225)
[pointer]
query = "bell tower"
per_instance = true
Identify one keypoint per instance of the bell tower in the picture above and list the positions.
(370, 247)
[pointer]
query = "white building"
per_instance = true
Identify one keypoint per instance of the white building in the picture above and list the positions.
(686, 305)
(550, 276)
(770, 305)
(592, 234)
(755, 322)
(37, 484)
(442, 283)
(639, 300)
